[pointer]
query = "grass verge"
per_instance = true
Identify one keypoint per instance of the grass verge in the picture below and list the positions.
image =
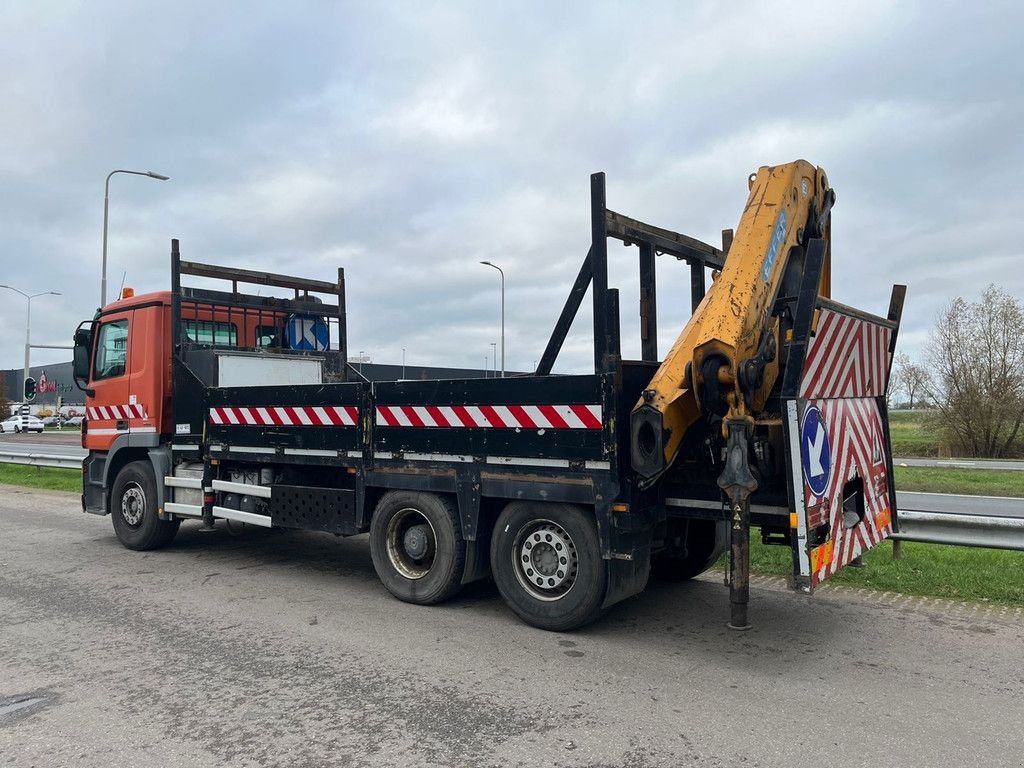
(46, 478)
(978, 482)
(913, 434)
(930, 570)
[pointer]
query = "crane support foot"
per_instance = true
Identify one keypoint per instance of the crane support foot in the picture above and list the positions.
(738, 482)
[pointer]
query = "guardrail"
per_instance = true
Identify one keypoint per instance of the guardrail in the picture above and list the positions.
(927, 527)
(40, 459)
(962, 530)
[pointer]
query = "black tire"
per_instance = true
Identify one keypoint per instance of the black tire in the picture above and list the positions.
(694, 546)
(546, 560)
(431, 572)
(133, 509)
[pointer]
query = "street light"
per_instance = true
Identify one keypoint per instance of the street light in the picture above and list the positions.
(106, 208)
(28, 317)
(488, 264)
(403, 362)
(494, 357)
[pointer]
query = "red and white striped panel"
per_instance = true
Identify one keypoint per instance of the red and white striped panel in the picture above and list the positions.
(847, 357)
(115, 412)
(857, 440)
(496, 416)
(286, 416)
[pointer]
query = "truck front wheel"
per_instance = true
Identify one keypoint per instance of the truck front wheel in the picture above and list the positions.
(417, 546)
(133, 509)
(546, 561)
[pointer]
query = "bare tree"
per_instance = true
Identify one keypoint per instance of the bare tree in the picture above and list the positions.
(976, 356)
(5, 406)
(909, 377)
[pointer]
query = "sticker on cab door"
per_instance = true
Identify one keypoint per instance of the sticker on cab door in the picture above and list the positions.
(182, 429)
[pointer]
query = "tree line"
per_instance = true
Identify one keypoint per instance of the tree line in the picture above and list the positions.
(972, 375)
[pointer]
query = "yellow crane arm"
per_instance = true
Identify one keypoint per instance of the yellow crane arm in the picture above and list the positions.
(726, 360)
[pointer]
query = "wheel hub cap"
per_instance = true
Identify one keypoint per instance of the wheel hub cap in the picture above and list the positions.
(416, 541)
(133, 505)
(546, 562)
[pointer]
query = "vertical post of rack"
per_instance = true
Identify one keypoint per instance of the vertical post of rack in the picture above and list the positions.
(342, 325)
(648, 304)
(175, 297)
(599, 269)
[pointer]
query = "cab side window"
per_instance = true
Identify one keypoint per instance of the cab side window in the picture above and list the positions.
(111, 350)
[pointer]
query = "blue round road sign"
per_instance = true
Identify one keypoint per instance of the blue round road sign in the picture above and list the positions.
(815, 452)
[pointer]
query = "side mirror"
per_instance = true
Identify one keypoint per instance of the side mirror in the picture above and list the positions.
(81, 354)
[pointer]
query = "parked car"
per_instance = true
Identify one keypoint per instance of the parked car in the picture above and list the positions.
(73, 421)
(21, 424)
(51, 421)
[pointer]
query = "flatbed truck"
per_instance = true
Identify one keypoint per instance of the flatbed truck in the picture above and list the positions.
(570, 491)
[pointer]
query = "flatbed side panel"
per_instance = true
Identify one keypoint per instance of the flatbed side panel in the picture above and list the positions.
(838, 447)
(547, 420)
(313, 417)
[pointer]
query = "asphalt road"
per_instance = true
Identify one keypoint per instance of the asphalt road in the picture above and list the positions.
(995, 506)
(65, 443)
(278, 648)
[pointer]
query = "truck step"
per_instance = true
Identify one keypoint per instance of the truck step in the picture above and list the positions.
(183, 510)
(245, 489)
(242, 517)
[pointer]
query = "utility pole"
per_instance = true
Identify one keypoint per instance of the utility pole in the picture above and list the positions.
(106, 211)
(489, 264)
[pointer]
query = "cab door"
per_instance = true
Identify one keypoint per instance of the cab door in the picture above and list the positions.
(106, 410)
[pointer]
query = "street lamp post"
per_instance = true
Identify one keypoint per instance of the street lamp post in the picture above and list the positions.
(403, 362)
(28, 318)
(106, 210)
(489, 264)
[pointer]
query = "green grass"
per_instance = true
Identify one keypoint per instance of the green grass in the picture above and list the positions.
(977, 482)
(46, 478)
(914, 434)
(932, 570)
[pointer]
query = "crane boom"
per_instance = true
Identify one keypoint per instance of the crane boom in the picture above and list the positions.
(725, 361)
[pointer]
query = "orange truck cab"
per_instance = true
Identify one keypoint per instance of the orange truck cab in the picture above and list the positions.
(123, 361)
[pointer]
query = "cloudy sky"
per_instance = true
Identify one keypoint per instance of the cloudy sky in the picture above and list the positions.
(408, 141)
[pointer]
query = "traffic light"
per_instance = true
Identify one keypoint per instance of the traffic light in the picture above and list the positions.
(30, 389)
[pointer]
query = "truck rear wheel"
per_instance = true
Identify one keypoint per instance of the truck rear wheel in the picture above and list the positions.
(546, 561)
(133, 509)
(693, 547)
(417, 546)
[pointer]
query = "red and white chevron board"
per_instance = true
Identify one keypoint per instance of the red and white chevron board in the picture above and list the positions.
(847, 357)
(115, 412)
(854, 427)
(286, 416)
(494, 416)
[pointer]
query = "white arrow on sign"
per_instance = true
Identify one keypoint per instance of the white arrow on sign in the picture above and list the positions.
(816, 445)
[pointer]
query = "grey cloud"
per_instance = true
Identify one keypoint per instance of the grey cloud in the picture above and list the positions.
(406, 142)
